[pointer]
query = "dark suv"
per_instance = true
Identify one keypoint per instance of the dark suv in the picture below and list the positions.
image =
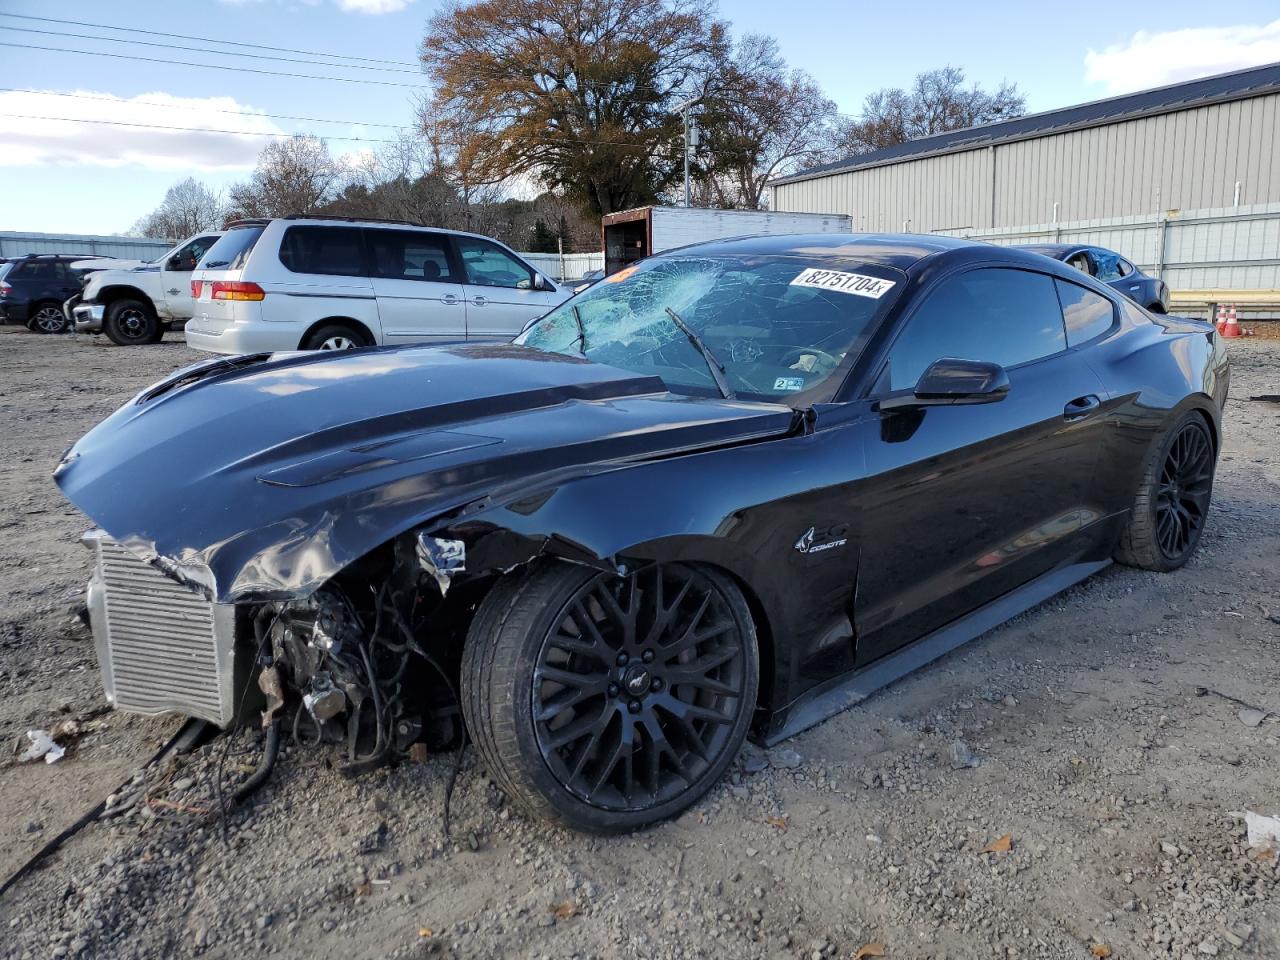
(33, 289)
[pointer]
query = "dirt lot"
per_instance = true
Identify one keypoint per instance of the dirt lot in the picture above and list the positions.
(1077, 730)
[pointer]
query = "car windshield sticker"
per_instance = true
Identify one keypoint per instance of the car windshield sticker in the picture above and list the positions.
(789, 383)
(856, 283)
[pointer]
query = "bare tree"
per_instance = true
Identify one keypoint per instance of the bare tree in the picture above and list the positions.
(188, 207)
(938, 101)
(295, 175)
(761, 120)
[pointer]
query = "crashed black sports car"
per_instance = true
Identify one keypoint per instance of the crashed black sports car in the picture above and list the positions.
(730, 490)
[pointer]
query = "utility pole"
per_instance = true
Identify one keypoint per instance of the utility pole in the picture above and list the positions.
(690, 140)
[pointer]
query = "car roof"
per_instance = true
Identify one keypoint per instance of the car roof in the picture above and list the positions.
(1055, 250)
(324, 220)
(899, 250)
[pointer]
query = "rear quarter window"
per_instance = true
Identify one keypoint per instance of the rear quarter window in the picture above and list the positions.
(328, 251)
(1085, 313)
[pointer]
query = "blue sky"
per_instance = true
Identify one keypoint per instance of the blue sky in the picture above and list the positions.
(84, 178)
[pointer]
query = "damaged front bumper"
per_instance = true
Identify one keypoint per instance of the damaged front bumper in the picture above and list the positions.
(161, 644)
(344, 672)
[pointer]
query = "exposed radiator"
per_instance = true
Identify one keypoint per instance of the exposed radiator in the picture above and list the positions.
(162, 647)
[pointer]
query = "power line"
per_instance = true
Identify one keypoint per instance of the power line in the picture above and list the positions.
(214, 66)
(221, 53)
(183, 106)
(229, 43)
(251, 133)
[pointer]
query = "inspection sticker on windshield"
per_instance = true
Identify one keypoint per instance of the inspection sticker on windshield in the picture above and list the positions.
(789, 383)
(856, 283)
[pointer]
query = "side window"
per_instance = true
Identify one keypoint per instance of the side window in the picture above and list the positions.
(491, 266)
(333, 251)
(33, 270)
(410, 255)
(1108, 265)
(190, 255)
(1004, 316)
(1085, 313)
(1125, 267)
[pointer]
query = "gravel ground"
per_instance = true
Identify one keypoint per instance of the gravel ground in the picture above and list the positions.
(1097, 733)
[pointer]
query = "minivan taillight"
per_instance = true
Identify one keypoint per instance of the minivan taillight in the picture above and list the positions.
(195, 289)
(235, 290)
(5, 289)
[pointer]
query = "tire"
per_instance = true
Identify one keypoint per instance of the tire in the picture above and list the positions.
(47, 318)
(131, 323)
(582, 752)
(336, 336)
(1172, 501)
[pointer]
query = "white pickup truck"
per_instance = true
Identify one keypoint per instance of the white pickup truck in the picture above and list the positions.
(139, 304)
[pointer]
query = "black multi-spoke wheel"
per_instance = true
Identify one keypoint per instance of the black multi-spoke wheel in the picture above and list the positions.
(1173, 500)
(610, 702)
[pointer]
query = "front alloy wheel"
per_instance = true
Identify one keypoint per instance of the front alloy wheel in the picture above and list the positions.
(610, 702)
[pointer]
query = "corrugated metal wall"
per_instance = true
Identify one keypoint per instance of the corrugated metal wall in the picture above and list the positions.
(1221, 248)
(1189, 160)
(20, 243)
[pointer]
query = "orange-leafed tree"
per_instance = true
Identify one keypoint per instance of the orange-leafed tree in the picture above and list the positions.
(579, 95)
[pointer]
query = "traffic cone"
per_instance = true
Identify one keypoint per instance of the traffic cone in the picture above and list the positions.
(1222, 317)
(1232, 327)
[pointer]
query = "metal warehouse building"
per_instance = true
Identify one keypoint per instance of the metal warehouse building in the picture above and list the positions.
(1184, 180)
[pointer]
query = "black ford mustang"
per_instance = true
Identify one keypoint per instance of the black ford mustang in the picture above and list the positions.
(730, 490)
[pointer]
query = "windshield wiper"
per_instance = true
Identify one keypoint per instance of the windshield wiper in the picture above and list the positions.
(216, 263)
(714, 365)
(582, 331)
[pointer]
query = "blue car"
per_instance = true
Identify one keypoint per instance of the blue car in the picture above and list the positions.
(1112, 269)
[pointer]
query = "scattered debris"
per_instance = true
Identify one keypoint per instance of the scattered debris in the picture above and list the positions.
(962, 758)
(425, 932)
(869, 950)
(42, 745)
(785, 759)
(1100, 950)
(418, 753)
(752, 759)
(564, 910)
(373, 841)
(1252, 717)
(1264, 832)
(999, 845)
(778, 821)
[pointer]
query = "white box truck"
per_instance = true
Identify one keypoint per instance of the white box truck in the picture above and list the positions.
(631, 235)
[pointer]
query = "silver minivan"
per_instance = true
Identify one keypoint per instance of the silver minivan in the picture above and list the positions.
(312, 283)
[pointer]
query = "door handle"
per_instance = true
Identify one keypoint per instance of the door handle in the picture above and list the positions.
(1081, 407)
(449, 298)
(479, 301)
(172, 291)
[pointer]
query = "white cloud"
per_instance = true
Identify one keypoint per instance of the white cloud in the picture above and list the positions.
(373, 7)
(71, 142)
(1152, 59)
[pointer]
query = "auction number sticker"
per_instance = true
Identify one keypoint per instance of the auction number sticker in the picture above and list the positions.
(856, 283)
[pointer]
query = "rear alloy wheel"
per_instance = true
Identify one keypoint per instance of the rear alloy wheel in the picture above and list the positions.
(48, 318)
(1169, 511)
(610, 702)
(130, 323)
(335, 336)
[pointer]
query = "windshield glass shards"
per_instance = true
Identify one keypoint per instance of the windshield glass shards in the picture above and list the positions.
(777, 328)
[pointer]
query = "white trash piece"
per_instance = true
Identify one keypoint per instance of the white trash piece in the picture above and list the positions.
(1263, 831)
(42, 745)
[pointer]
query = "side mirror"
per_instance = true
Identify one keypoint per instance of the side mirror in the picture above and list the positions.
(948, 382)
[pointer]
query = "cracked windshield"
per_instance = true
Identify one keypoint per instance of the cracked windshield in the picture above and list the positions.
(760, 328)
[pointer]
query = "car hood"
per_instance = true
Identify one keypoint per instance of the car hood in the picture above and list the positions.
(260, 477)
